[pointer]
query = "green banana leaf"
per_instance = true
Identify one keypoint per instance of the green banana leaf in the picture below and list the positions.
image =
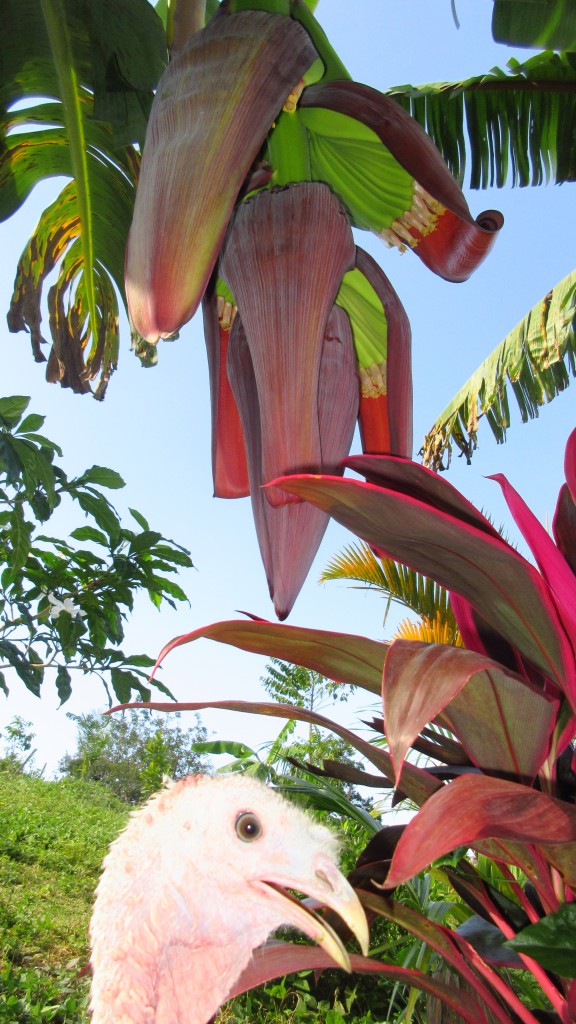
(535, 361)
(505, 126)
(535, 23)
(96, 64)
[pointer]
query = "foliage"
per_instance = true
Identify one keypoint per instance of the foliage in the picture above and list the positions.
(86, 74)
(63, 604)
(505, 126)
(504, 783)
(18, 740)
(534, 361)
(131, 754)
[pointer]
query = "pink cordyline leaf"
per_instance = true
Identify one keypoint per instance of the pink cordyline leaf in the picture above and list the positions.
(386, 420)
(478, 636)
(564, 526)
(506, 589)
(410, 478)
(417, 784)
(214, 105)
(503, 723)
(284, 258)
(277, 959)
(553, 567)
(453, 244)
(229, 468)
(343, 657)
(474, 808)
(570, 464)
(564, 523)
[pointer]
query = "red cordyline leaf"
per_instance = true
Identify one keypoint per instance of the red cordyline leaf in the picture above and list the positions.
(417, 784)
(277, 959)
(457, 244)
(564, 526)
(549, 559)
(564, 523)
(386, 421)
(284, 259)
(457, 952)
(212, 110)
(570, 464)
(229, 468)
(474, 808)
(507, 591)
(503, 723)
(343, 657)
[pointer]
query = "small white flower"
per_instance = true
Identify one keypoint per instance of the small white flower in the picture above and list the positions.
(67, 605)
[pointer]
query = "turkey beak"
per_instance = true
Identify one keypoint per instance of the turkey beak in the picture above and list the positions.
(327, 887)
(335, 892)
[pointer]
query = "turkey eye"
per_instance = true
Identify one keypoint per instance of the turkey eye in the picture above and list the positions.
(248, 827)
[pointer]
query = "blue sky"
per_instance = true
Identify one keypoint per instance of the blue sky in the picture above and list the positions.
(154, 424)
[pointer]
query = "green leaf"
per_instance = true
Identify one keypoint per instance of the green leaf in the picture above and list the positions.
(63, 683)
(3, 685)
(176, 554)
(162, 587)
(96, 506)
(30, 675)
(535, 360)
(19, 538)
(551, 942)
(12, 409)
(145, 541)
(510, 126)
(123, 683)
(232, 747)
(102, 477)
(32, 422)
(89, 533)
(139, 519)
(59, 37)
(536, 23)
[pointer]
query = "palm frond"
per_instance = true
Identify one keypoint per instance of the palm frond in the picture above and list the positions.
(508, 127)
(435, 630)
(535, 361)
(398, 583)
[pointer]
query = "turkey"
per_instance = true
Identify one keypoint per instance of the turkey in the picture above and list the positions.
(198, 880)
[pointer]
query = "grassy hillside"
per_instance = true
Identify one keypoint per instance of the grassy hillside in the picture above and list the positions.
(53, 838)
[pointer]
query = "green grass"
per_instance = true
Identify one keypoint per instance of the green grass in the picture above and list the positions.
(53, 838)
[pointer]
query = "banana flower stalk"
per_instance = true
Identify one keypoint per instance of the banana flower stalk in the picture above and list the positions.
(302, 291)
(260, 157)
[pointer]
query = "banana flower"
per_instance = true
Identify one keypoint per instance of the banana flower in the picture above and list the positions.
(260, 157)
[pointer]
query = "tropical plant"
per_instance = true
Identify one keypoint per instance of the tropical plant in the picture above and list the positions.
(64, 601)
(504, 784)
